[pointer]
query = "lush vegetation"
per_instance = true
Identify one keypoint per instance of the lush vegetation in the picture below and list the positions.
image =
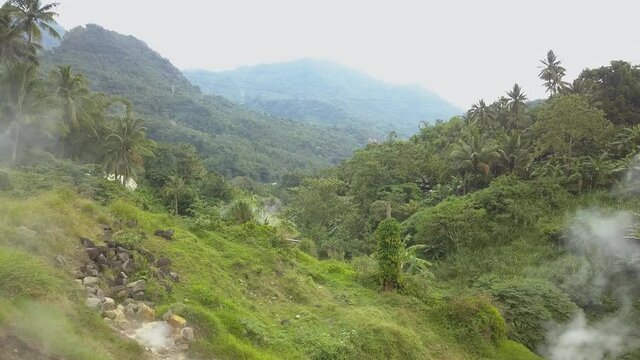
(454, 244)
(325, 93)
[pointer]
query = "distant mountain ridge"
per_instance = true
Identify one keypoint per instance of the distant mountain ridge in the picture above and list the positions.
(326, 93)
(232, 139)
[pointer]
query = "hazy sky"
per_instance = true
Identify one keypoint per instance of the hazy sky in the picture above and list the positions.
(463, 50)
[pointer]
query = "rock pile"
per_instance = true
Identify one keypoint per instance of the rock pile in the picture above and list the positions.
(105, 276)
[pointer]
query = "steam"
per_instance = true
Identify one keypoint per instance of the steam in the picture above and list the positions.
(155, 335)
(611, 252)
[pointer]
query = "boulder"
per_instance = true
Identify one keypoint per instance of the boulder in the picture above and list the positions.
(145, 312)
(128, 266)
(100, 294)
(165, 234)
(108, 304)
(92, 252)
(93, 303)
(163, 263)
(137, 286)
(176, 321)
(109, 314)
(124, 257)
(90, 281)
(187, 334)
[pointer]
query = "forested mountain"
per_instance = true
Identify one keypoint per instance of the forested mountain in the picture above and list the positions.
(327, 93)
(234, 140)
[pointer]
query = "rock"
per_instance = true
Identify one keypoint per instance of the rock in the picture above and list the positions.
(138, 296)
(165, 234)
(124, 257)
(109, 314)
(137, 286)
(129, 266)
(90, 281)
(60, 261)
(176, 321)
(147, 255)
(121, 250)
(130, 309)
(167, 315)
(102, 260)
(120, 282)
(105, 227)
(163, 263)
(93, 303)
(79, 281)
(77, 274)
(111, 244)
(174, 276)
(91, 290)
(297, 317)
(86, 242)
(145, 312)
(92, 252)
(108, 304)
(285, 322)
(100, 294)
(93, 272)
(120, 318)
(187, 334)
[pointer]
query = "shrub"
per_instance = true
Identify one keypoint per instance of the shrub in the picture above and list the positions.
(389, 253)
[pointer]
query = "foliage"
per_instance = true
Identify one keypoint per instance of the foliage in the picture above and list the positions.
(389, 253)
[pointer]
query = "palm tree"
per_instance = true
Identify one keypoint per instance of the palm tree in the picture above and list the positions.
(23, 99)
(13, 47)
(511, 146)
(125, 147)
(72, 92)
(175, 188)
(31, 16)
(480, 114)
(411, 263)
(474, 153)
(552, 73)
(515, 104)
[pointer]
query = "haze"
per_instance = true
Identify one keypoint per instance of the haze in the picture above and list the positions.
(463, 50)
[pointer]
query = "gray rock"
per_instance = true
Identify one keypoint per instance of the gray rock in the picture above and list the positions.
(187, 334)
(174, 276)
(90, 281)
(60, 261)
(91, 290)
(137, 286)
(109, 314)
(108, 304)
(86, 242)
(92, 253)
(139, 295)
(100, 294)
(124, 257)
(93, 303)
(163, 263)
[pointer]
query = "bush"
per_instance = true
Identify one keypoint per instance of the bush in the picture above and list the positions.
(528, 306)
(476, 322)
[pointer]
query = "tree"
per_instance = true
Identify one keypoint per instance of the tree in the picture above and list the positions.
(516, 105)
(615, 89)
(552, 73)
(24, 100)
(511, 148)
(389, 253)
(125, 146)
(473, 153)
(13, 47)
(480, 114)
(72, 93)
(174, 188)
(568, 126)
(32, 17)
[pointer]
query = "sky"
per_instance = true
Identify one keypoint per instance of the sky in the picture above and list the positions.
(462, 50)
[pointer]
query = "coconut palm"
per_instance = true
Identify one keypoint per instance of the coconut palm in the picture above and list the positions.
(23, 99)
(175, 188)
(511, 148)
(72, 93)
(552, 73)
(125, 146)
(480, 114)
(32, 17)
(13, 47)
(516, 105)
(474, 153)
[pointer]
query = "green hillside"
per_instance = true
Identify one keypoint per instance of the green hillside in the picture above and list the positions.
(326, 93)
(233, 140)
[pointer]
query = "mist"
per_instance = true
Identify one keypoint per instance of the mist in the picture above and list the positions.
(610, 250)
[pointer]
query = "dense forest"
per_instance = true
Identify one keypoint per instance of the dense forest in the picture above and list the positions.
(326, 93)
(139, 219)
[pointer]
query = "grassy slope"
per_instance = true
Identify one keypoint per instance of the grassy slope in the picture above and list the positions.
(237, 285)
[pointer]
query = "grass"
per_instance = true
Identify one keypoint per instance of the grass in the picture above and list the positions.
(247, 294)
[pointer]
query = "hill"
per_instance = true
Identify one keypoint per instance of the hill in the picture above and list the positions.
(327, 93)
(234, 140)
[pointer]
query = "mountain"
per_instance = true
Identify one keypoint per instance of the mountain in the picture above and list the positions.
(322, 92)
(233, 139)
(48, 41)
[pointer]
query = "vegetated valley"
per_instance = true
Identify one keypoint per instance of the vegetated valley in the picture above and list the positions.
(141, 219)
